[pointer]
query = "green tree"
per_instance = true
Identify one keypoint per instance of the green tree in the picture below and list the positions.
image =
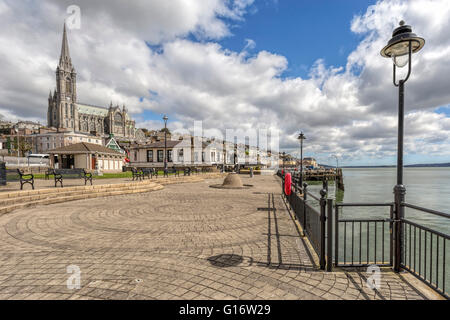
(165, 130)
(23, 146)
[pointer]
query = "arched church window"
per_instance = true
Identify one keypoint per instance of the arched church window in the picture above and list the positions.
(118, 119)
(68, 86)
(67, 110)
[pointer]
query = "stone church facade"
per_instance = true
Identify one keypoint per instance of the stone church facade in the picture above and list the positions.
(65, 112)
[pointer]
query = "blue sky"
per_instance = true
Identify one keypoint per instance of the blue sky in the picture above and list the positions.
(301, 30)
(304, 31)
(295, 29)
(183, 58)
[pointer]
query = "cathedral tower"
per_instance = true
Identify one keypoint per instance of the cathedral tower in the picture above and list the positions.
(62, 109)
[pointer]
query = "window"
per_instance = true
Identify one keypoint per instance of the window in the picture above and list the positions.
(213, 156)
(160, 155)
(68, 86)
(149, 155)
(169, 155)
(135, 156)
(118, 119)
(203, 157)
(180, 155)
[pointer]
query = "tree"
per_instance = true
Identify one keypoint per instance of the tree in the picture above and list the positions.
(24, 146)
(165, 130)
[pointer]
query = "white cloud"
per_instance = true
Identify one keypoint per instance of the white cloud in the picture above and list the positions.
(341, 111)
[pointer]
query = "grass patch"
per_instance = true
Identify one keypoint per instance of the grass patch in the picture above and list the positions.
(117, 175)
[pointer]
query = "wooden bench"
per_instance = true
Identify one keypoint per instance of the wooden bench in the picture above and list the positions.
(25, 178)
(61, 174)
(137, 174)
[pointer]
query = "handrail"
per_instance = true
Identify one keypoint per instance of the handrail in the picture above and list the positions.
(313, 196)
(443, 235)
(388, 204)
(438, 213)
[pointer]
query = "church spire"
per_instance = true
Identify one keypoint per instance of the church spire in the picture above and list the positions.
(65, 61)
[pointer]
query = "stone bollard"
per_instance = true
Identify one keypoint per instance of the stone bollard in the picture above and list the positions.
(251, 172)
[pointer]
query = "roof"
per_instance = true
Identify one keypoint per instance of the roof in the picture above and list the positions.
(93, 110)
(84, 147)
(160, 144)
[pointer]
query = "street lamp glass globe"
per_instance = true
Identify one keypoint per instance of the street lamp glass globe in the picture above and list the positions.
(400, 61)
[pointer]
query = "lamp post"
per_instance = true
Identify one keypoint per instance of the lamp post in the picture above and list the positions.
(301, 137)
(337, 161)
(400, 48)
(165, 118)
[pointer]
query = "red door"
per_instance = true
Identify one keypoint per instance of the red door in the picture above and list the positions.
(93, 162)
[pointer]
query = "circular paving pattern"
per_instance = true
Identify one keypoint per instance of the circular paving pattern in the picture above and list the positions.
(187, 241)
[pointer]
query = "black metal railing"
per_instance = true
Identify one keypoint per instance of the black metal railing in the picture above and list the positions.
(363, 242)
(311, 220)
(425, 251)
(371, 241)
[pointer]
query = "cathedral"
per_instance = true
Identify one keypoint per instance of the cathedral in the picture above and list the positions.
(65, 112)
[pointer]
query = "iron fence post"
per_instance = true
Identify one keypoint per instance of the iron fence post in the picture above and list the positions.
(325, 184)
(323, 205)
(391, 236)
(330, 235)
(305, 197)
(336, 235)
(399, 213)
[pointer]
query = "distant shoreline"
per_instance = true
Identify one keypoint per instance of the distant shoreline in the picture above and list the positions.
(428, 165)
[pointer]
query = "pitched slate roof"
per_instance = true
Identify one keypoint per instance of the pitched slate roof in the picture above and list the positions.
(84, 147)
(160, 144)
(92, 110)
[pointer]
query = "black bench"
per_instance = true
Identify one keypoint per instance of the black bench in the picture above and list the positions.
(137, 174)
(25, 178)
(187, 171)
(175, 172)
(48, 173)
(60, 174)
(149, 172)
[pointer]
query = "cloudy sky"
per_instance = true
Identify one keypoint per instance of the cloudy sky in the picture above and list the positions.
(242, 64)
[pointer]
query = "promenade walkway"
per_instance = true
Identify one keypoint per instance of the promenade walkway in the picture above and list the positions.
(187, 241)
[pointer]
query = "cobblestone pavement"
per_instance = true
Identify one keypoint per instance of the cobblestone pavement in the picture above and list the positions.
(188, 241)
